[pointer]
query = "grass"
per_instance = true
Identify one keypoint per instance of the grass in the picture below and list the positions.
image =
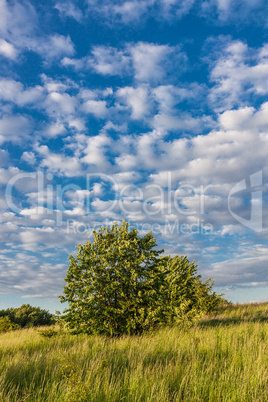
(222, 358)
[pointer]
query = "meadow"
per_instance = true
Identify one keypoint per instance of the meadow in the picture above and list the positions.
(223, 357)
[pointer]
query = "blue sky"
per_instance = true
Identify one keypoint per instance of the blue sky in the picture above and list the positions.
(153, 111)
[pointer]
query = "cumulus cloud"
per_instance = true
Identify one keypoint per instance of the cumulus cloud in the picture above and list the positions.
(109, 61)
(14, 91)
(18, 21)
(131, 11)
(227, 11)
(69, 9)
(219, 11)
(127, 118)
(242, 271)
(168, 96)
(238, 73)
(104, 60)
(30, 277)
(15, 129)
(58, 163)
(202, 170)
(96, 107)
(181, 123)
(54, 47)
(28, 157)
(154, 62)
(95, 151)
(8, 50)
(146, 62)
(20, 30)
(137, 100)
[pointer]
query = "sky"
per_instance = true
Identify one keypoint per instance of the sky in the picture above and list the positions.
(152, 111)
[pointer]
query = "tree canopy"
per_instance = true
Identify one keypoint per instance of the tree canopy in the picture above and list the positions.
(120, 284)
(28, 316)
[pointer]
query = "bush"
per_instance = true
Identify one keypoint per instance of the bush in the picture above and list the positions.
(6, 325)
(28, 316)
(119, 284)
(48, 332)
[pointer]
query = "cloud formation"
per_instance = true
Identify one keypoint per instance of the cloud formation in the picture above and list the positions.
(148, 113)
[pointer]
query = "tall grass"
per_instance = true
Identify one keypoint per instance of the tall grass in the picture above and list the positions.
(222, 358)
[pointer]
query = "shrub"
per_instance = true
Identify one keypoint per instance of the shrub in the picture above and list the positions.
(6, 325)
(48, 332)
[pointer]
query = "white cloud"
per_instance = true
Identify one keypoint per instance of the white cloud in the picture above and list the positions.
(241, 271)
(57, 85)
(77, 124)
(235, 119)
(223, 11)
(14, 91)
(20, 29)
(151, 62)
(96, 107)
(137, 100)
(8, 50)
(29, 157)
(109, 60)
(18, 21)
(146, 62)
(218, 160)
(131, 11)
(104, 60)
(245, 118)
(54, 129)
(238, 10)
(29, 276)
(54, 47)
(238, 73)
(95, 151)
(181, 122)
(9, 89)
(4, 157)
(35, 213)
(68, 9)
(77, 64)
(170, 9)
(60, 104)
(14, 128)
(168, 96)
(236, 148)
(58, 163)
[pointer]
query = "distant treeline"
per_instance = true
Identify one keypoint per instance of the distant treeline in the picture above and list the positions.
(24, 317)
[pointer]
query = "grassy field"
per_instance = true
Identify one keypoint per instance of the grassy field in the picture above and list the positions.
(222, 358)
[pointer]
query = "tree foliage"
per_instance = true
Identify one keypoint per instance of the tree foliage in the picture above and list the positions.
(28, 316)
(6, 325)
(120, 284)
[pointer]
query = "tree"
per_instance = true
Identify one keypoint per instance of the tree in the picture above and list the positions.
(28, 316)
(119, 284)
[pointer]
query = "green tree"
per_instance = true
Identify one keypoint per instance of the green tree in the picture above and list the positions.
(119, 284)
(27, 316)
